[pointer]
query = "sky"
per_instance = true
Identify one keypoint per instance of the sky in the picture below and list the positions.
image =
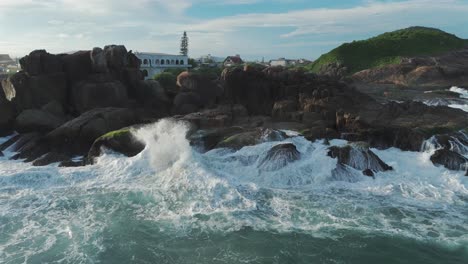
(255, 29)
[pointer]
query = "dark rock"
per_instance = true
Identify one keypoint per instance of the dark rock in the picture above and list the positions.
(445, 70)
(77, 135)
(358, 156)
(208, 91)
(449, 159)
(7, 115)
(9, 142)
(186, 103)
(71, 163)
(30, 147)
(28, 92)
(98, 92)
(40, 62)
(206, 140)
(49, 158)
(368, 172)
(77, 66)
(222, 116)
(284, 110)
(37, 120)
(251, 138)
(54, 108)
(122, 141)
(279, 157)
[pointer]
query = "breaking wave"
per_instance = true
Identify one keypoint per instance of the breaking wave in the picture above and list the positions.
(172, 204)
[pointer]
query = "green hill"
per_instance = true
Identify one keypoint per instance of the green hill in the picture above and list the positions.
(389, 48)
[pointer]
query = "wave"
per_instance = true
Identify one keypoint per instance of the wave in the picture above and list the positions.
(172, 190)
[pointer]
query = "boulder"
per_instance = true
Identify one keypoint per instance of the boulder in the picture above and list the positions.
(98, 91)
(358, 156)
(40, 62)
(449, 159)
(77, 66)
(220, 117)
(28, 92)
(99, 61)
(279, 157)
(207, 89)
(250, 138)
(77, 135)
(116, 57)
(121, 141)
(37, 120)
(187, 102)
(151, 95)
(205, 140)
(252, 88)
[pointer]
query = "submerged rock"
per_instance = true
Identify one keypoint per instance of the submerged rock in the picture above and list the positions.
(279, 157)
(360, 157)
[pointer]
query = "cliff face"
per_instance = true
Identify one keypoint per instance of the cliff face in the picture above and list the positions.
(450, 69)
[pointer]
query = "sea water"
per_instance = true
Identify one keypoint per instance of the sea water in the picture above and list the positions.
(174, 204)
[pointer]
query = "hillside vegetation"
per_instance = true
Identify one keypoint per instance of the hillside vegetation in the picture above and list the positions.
(389, 48)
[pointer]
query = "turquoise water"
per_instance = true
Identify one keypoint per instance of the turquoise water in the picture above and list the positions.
(171, 204)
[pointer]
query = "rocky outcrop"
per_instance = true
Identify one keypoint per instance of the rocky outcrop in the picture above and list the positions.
(27, 92)
(438, 71)
(279, 157)
(450, 160)
(77, 135)
(37, 120)
(7, 115)
(98, 91)
(358, 156)
(252, 137)
(121, 141)
(196, 91)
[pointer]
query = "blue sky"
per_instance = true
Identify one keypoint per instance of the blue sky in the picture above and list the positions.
(252, 28)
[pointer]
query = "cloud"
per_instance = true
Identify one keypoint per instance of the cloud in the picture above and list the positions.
(371, 16)
(156, 25)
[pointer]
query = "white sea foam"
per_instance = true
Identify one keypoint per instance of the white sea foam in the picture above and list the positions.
(178, 189)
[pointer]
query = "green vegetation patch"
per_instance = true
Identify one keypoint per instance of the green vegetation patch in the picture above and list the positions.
(390, 48)
(115, 134)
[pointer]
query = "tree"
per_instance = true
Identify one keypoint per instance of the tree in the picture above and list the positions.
(184, 44)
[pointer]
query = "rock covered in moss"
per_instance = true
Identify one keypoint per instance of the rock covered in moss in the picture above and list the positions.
(122, 141)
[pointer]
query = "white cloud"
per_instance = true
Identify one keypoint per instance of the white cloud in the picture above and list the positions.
(156, 25)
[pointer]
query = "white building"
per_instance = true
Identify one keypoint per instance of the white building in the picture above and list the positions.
(154, 63)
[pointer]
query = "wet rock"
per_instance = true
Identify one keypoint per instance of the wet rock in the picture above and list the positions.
(251, 138)
(121, 141)
(449, 159)
(279, 156)
(30, 147)
(71, 163)
(49, 158)
(358, 156)
(206, 140)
